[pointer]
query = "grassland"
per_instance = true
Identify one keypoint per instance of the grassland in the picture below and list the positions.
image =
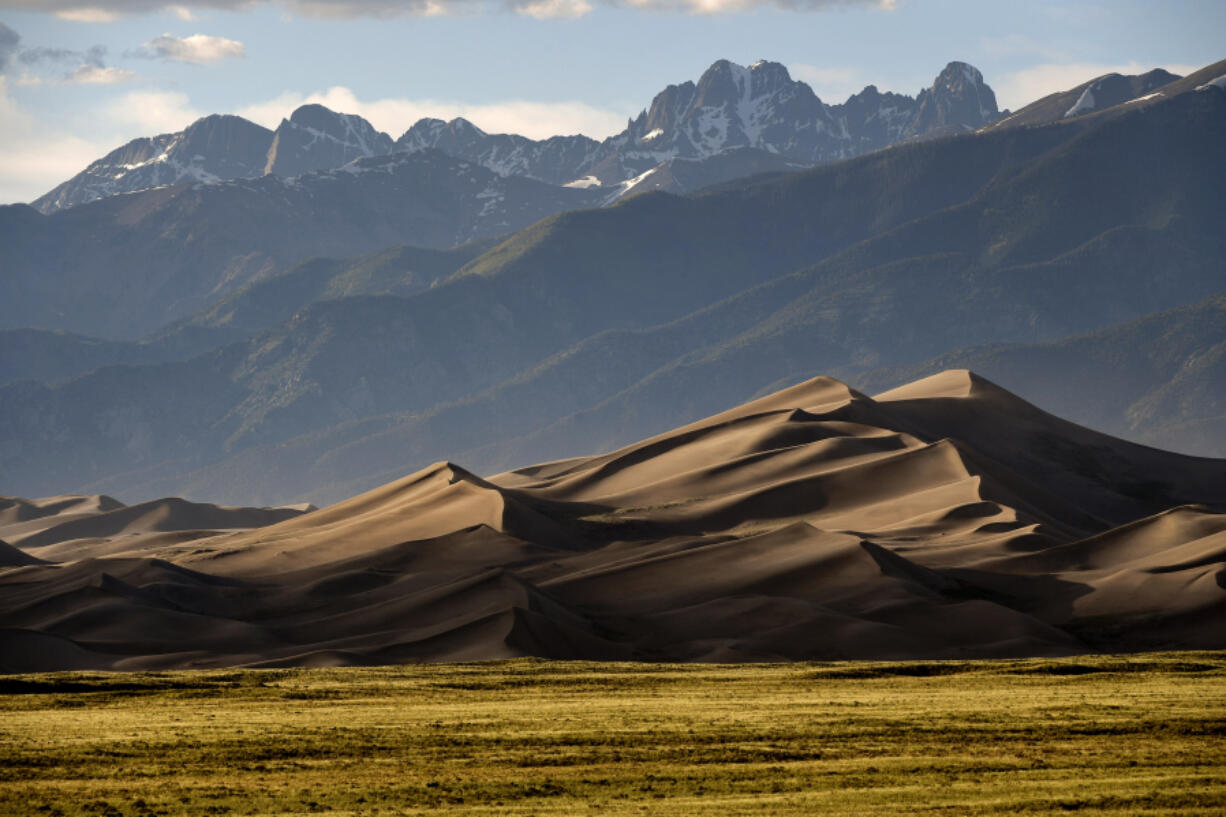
(1107, 735)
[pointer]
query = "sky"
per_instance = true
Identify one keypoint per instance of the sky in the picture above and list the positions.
(79, 78)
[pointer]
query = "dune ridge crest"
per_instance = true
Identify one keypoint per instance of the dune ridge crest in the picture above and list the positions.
(946, 518)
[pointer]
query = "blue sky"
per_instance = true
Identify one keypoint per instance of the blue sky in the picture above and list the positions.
(80, 77)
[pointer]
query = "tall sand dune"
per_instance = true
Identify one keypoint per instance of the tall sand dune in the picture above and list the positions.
(945, 518)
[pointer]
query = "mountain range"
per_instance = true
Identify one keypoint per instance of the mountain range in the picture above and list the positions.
(760, 107)
(124, 266)
(226, 203)
(943, 519)
(1159, 379)
(593, 327)
(680, 326)
(246, 374)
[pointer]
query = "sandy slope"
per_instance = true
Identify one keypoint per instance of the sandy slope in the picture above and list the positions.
(944, 518)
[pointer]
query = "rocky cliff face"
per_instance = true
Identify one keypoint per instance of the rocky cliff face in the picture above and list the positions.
(220, 148)
(211, 149)
(557, 160)
(126, 265)
(316, 138)
(959, 100)
(1116, 89)
(730, 107)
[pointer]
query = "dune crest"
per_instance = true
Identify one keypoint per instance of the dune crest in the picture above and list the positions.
(944, 518)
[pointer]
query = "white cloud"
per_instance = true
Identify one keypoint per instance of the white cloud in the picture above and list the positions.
(712, 7)
(88, 14)
(58, 66)
(37, 154)
(99, 75)
(183, 13)
(33, 157)
(832, 84)
(198, 49)
(555, 9)
(9, 41)
(1022, 87)
(107, 10)
(144, 113)
(537, 120)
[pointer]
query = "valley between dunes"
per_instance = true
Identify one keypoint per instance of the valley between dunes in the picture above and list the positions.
(943, 519)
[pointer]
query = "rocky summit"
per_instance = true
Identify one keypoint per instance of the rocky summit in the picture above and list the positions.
(730, 107)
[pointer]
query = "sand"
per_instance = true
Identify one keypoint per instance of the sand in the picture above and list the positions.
(944, 519)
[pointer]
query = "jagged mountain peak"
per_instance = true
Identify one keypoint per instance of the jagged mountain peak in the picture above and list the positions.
(731, 106)
(212, 148)
(462, 125)
(726, 81)
(956, 73)
(346, 127)
(958, 99)
(424, 132)
(557, 160)
(439, 133)
(226, 135)
(767, 75)
(313, 114)
(317, 138)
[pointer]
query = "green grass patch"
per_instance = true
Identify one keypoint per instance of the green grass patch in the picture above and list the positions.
(1112, 735)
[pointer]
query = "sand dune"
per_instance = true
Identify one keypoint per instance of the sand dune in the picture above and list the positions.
(38, 523)
(20, 518)
(12, 557)
(945, 518)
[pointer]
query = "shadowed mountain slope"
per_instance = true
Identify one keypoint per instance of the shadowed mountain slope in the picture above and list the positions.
(731, 107)
(1109, 95)
(946, 518)
(125, 266)
(211, 149)
(592, 327)
(47, 356)
(1160, 379)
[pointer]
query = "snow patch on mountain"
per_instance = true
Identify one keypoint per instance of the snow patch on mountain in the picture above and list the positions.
(1145, 98)
(1084, 104)
(1219, 83)
(731, 106)
(584, 183)
(626, 187)
(491, 197)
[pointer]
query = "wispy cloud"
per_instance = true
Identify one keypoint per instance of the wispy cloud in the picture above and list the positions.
(9, 42)
(102, 11)
(555, 9)
(35, 156)
(99, 75)
(95, 56)
(537, 120)
(88, 14)
(57, 66)
(149, 112)
(198, 49)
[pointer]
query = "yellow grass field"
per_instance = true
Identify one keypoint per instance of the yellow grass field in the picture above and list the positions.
(1104, 735)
